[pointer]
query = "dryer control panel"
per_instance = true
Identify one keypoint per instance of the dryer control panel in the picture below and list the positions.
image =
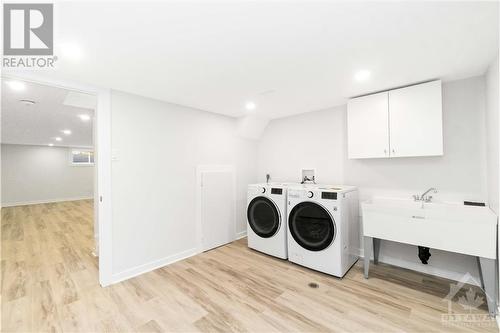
(329, 195)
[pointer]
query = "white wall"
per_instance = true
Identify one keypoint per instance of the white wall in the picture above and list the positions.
(318, 140)
(32, 174)
(310, 140)
(156, 148)
(492, 142)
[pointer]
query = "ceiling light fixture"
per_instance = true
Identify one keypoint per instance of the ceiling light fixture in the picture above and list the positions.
(84, 117)
(250, 106)
(58, 138)
(362, 75)
(51, 145)
(16, 85)
(66, 132)
(27, 102)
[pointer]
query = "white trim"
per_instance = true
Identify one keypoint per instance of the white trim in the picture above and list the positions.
(241, 234)
(148, 267)
(447, 274)
(37, 202)
(102, 150)
(200, 169)
(104, 215)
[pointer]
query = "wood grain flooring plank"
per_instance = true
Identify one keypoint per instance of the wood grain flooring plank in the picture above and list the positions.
(150, 326)
(15, 280)
(45, 311)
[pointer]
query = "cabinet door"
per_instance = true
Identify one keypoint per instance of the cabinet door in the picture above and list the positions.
(368, 126)
(415, 118)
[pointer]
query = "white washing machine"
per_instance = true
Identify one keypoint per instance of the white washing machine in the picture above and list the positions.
(266, 218)
(323, 228)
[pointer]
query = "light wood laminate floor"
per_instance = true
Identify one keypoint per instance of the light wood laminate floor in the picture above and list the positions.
(49, 283)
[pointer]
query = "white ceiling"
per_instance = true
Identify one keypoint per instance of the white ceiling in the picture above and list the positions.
(40, 123)
(287, 57)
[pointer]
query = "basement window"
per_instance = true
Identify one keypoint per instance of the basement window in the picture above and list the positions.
(82, 157)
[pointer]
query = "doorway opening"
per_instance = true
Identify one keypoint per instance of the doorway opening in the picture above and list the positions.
(49, 177)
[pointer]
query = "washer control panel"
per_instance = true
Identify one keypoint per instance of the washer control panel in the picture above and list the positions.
(278, 191)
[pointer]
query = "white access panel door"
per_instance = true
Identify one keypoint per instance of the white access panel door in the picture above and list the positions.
(368, 126)
(416, 120)
(217, 208)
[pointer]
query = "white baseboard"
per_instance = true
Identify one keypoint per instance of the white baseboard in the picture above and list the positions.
(241, 234)
(37, 202)
(444, 273)
(148, 267)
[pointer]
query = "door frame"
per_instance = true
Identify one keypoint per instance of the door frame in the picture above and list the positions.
(200, 170)
(102, 169)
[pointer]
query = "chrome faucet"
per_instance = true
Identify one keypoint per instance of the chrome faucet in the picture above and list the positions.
(424, 197)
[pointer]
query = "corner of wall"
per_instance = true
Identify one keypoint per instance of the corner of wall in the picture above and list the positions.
(251, 127)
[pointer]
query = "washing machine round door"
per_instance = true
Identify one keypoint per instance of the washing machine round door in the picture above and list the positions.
(311, 226)
(263, 217)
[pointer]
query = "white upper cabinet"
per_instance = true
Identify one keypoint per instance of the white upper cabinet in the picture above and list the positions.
(415, 117)
(368, 126)
(398, 123)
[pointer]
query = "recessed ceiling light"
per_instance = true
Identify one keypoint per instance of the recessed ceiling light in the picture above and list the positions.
(362, 75)
(16, 85)
(66, 132)
(84, 117)
(71, 51)
(58, 138)
(27, 102)
(250, 106)
(51, 144)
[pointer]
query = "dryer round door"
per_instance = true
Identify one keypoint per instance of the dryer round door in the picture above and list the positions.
(311, 226)
(263, 217)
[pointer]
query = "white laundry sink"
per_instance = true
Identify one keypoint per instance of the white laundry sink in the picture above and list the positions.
(445, 226)
(450, 227)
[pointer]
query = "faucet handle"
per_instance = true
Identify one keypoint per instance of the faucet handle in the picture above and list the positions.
(416, 197)
(428, 198)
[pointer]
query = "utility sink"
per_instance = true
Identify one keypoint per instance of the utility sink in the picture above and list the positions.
(469, 230)
(446, 226)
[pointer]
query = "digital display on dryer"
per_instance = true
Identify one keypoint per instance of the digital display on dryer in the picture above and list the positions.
(277, 191)
(329, 195)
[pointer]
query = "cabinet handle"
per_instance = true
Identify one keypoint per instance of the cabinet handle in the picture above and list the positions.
(393, 151)
(385, 151)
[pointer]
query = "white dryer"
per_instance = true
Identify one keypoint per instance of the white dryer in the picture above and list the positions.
(323, 228)
(266, 218)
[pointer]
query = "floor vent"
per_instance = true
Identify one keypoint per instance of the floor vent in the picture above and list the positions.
(313, 285)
